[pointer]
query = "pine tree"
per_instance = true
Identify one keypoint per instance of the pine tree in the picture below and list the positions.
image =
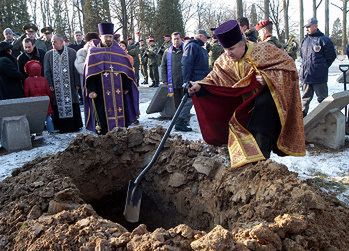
(14, 14)
(95, 11)
(337, 33)
(169, 18)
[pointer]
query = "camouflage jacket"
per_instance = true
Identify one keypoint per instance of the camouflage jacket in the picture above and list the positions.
(215, 51)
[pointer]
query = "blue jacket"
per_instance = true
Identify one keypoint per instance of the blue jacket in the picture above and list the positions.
(194, 61)
(317, 53)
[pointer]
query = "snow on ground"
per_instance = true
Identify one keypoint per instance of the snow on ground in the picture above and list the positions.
(329, 166)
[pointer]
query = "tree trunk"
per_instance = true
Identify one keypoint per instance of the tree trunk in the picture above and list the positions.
(301, 20)
(124, 18)
(239, 9)
(327, 20)
(266, 9)
(314, 8)
(344, 18)
(285, 4)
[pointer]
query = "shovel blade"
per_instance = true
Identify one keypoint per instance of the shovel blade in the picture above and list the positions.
(133, 203)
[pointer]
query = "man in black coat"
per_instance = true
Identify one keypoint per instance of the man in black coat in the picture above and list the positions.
(30, 53)
(78, 42)
(10, 78)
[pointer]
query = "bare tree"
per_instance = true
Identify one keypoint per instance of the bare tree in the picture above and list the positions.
(301, 20)
(285, 6)
(266, 9)
(344, 10)
(327, 20)
(316, 6)
(239, 7)
(275, 16)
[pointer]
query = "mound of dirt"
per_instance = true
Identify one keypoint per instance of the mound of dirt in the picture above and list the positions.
(191, 201)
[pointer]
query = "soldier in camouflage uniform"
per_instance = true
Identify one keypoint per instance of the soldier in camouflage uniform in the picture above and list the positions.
(215, 51)
(292, 47)
(265, 33)
(153, 62)
(143, 59)
(134, 51)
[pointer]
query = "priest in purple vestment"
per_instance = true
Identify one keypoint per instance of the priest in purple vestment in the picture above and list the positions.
(112, 97)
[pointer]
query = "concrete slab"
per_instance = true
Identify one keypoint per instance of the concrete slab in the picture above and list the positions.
(34, 108)
(169, 108)
(330, 132)
(15, 134)
(336, 101)
(158, 101)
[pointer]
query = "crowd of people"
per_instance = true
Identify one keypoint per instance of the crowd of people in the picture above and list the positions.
(244, 82)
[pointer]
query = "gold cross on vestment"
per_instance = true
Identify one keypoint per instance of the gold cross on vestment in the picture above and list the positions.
(111, 68)
(65, 70)
(119, 109)
(106, 74)
(108, 92)
(118, 91)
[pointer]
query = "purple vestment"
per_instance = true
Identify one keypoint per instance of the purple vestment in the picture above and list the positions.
(119, 90)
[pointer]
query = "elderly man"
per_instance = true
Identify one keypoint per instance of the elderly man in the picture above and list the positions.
(112, 98)
(194, 67)
(9, 38)
(317, 53)
(64, 82)
(250, 100)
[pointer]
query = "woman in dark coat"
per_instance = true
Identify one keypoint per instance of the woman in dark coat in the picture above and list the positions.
(10, 77)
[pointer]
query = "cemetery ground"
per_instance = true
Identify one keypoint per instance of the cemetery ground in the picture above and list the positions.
(70, 194)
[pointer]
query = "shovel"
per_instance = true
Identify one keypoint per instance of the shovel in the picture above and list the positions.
(344, 68)
(134, 193)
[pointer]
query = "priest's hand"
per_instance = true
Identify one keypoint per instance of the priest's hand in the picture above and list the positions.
(260, 79)
(194, 88)
(92, 95)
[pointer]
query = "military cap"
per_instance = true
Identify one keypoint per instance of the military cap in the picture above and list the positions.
(261, 24)
(47, 30)
(30, 27)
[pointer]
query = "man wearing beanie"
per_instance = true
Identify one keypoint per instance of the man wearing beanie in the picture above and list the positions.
(112, 97)
(265, 33)
(250, 100)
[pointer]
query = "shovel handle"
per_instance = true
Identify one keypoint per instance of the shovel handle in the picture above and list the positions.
(344, 67)
(163, 140)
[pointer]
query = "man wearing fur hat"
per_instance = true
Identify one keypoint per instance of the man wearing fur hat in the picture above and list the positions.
(252, 96)
(112, 97)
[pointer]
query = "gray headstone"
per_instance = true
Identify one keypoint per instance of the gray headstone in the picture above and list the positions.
(158, 101)
(169, 108)
(15, 134)
(34, 108)
(330, 132)
(334, 125)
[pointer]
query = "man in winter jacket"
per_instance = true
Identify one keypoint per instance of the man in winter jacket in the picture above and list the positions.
(194, 67)
(317, 53)
(171, 68)
(30, 53)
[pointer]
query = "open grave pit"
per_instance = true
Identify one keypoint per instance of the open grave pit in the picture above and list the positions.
(191, 200)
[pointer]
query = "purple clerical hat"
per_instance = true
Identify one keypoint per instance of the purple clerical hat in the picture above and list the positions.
(228, 33)
(106, 28)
